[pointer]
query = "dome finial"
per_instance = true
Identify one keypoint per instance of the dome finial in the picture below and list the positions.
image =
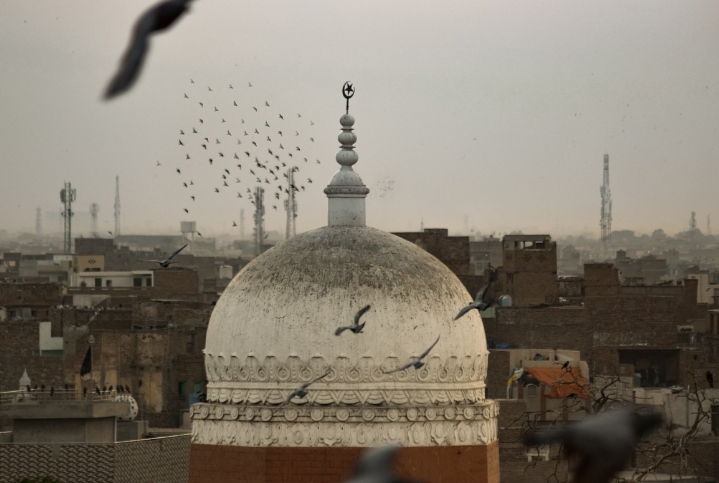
(346, 191)
(348, 90)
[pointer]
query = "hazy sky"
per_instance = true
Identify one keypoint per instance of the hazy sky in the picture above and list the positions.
(500, 111)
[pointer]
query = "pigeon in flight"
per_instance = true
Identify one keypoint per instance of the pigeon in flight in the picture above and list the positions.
(254, 108)
(168, 261)
(281, 117)
(356, 327)
(231, 86)
(158, 163)
(181, 144)
(604, 443)
(479, 303)
(233, 223)
(416, 362)
(217, 190)
(302, 390)
(186, 96)
(158, 18)
(178, 171)
(186, 211)
(267, 104)
(201, 104)
(187, 156)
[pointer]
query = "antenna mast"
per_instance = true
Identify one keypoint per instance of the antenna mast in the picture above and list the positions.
(94, 210)
(259, 219)
(242, 224)
(67, 196)
(606, 220)
(117, 206)
(291, 204)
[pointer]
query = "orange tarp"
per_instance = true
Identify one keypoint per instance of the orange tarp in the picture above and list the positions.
(562, 382)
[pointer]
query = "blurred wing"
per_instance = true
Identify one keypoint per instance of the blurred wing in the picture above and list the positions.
(340, 330)
(131, 63)
(464, 311)
(480, 294)
(424, 354)
(173, 254)
(360, 313)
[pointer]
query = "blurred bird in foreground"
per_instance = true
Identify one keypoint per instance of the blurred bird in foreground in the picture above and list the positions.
(375, 466)
(603, 444)
(156, 19)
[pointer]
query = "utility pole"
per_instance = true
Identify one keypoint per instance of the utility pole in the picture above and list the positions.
(291, 204)
(117, 206)
(259, 219)
(67, 196)
(94, 210)
(605, 221)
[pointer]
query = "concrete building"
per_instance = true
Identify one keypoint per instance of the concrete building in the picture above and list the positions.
(273, 330)
(134, 278)
(648, 270)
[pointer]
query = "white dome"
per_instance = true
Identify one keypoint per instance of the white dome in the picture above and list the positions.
(282, 309)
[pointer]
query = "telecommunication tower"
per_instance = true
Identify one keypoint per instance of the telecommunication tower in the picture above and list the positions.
(709, 226)
(38, 222)
(67, 196)
(242, 224)
(606, 220)
(291, 204)
(692, 228)
(259, 219)
(94, 210)
(117, 206)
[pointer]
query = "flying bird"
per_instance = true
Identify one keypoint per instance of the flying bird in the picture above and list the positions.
(479, 303)
(181, 144)
(168, 261)
(158, 163)
(178, 171)
(186, 96)
(233, 223)
(416, 362)
(250, 83)
(604, 443)
(281, 117)
(158, 18)
(302, 390)
(356, 327)
(267, 104)
(186, 211)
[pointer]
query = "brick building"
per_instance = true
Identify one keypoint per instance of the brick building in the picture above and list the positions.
(529, 270)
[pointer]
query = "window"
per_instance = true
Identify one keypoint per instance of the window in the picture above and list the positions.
(181, 389)
(148, 282)
(197, 387)
(98, 282)
(108, 283)
(137, 282)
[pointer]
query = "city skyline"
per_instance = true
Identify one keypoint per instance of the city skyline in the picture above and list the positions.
(495, 112)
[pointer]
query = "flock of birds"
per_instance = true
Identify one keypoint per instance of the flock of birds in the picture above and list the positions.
(242, 147)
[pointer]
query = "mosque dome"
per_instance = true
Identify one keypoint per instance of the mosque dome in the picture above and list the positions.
(273, 329)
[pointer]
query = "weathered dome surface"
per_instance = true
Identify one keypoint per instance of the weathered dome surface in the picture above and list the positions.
(289, 301)
(273, 329)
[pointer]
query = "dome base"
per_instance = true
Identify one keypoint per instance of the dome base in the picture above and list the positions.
(430, 464)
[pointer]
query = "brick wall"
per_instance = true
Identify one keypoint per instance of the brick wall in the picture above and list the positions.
(20, 351)
(175, 281)
(430, 464)
(497, 374)
(453, 251)
(156, 460)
